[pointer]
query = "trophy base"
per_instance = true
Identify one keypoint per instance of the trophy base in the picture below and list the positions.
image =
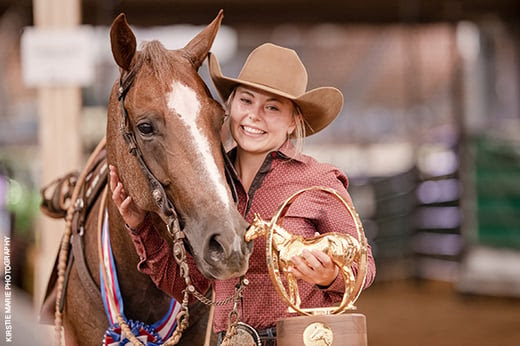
(323, 330)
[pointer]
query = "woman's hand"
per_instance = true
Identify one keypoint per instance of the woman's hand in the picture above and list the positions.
(131, 213)
(314, 267)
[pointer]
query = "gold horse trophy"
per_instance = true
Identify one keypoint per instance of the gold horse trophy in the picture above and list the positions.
(317, 326)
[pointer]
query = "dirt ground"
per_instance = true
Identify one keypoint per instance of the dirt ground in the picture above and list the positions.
(408, 313)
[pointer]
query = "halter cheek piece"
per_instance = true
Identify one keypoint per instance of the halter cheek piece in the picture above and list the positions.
(159, 195)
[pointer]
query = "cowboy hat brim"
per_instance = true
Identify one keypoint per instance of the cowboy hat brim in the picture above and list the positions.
(319, 106)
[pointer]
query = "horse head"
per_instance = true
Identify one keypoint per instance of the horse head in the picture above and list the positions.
(176, 124)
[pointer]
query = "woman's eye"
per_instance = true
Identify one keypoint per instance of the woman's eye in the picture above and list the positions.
(145, 128)
(245, 100)
(272, 108)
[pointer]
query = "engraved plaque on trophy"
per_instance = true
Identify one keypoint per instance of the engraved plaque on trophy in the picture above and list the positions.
(317, 326)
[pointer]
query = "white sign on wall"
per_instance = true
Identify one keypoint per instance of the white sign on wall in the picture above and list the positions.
(57, 57)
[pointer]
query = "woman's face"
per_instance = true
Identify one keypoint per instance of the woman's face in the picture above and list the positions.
(260, 122)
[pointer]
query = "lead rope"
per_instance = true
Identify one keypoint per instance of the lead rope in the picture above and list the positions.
(76, 206)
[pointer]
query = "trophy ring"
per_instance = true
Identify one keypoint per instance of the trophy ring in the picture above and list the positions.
(352, 288)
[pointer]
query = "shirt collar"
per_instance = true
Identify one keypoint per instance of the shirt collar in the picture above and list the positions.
(288, 151)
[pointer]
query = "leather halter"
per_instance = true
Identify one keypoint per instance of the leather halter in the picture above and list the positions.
(166, 207)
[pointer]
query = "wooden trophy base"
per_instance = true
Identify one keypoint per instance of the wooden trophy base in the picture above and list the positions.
(323, 330)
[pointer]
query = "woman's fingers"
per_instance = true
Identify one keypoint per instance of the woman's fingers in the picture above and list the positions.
(116, 187)
(124, 207)
(118, 195)
(302, 267)
(314, 267)
(121, 199)
(113, 178)
(130, 212)
(294, 270)
(324, 259)
(311, 259)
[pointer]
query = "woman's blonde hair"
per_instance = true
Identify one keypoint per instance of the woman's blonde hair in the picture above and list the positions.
(297, 136)
(299, 131)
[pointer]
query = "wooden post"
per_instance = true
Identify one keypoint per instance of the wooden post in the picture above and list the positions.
(59, 109)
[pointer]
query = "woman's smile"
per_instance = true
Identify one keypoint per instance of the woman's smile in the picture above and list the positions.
(253, 131)
(260, 121)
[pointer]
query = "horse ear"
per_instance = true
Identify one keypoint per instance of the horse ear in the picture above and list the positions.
(123, 42)
(198, 48)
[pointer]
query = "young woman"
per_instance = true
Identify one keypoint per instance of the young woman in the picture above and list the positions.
(268, 108)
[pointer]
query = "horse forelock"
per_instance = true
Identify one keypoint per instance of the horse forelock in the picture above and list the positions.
(157, 57)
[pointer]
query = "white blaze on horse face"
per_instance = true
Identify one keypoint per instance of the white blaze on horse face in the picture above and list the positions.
(183, 101)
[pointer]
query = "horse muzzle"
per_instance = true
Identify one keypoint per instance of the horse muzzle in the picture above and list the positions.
(223, 253)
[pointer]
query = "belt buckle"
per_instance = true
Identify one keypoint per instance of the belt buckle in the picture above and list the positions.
(247, 331)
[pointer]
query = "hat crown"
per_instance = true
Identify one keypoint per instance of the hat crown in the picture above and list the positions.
(275, 67)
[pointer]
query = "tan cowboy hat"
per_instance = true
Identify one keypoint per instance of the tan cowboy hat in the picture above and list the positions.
(279, 70)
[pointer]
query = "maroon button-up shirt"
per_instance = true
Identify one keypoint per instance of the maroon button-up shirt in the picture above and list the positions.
(282, 174)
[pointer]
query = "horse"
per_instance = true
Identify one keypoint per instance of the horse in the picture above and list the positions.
(163, 136)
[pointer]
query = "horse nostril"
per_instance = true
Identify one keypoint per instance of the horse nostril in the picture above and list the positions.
(215, 249)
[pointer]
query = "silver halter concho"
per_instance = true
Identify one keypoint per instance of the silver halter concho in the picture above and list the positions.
(167, 208)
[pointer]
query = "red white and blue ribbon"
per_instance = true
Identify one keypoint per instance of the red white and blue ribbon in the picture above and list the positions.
(150, 335)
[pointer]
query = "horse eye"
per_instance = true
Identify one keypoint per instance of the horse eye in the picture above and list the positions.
(145, 128)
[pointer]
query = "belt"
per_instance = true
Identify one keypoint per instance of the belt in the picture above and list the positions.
(268, 333)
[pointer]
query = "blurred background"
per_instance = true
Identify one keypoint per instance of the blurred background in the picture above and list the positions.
(429, 137)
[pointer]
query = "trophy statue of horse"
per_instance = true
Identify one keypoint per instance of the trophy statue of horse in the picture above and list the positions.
(344, 249)
(347, 252)
(163, 136)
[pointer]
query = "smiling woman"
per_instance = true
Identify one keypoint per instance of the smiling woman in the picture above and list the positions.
(260, 122)
(268, 106)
